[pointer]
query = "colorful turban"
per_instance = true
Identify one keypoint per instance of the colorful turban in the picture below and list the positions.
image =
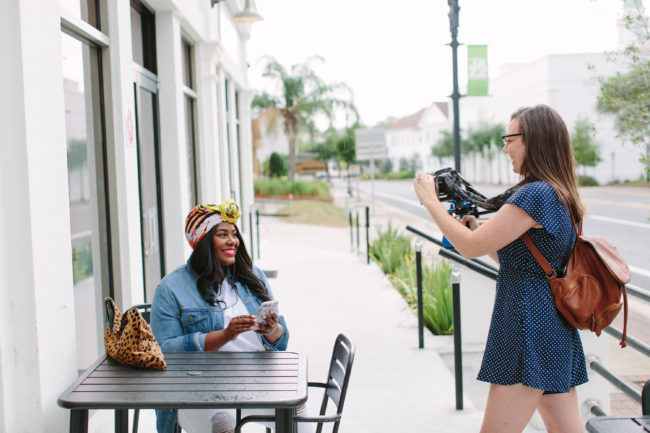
(204, 217)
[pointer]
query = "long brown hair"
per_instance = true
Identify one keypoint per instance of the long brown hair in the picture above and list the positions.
(549, 154)
(212, 272)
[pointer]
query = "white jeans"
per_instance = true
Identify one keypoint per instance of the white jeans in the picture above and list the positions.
(223, 420)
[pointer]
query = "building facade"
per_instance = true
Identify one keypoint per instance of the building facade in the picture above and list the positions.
(413, 136)
(118, 117)
(566, 82)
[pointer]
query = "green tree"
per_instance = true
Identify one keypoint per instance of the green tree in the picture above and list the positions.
(346, 146)
(626, 95)
(303, 96)
(485, 138)
(327, 147)
(444, 147)
(277, 165)
(585, 149)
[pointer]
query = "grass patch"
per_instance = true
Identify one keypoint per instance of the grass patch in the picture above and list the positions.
(314, 212)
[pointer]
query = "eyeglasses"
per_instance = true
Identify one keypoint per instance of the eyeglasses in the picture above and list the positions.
(506, 137)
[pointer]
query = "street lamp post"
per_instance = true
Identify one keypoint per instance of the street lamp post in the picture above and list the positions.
(455, 96)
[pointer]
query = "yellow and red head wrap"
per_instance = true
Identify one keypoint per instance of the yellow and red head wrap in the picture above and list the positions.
(202, 218)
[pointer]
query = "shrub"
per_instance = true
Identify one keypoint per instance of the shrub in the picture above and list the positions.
(282, 187)
(393, 252)
(402, 174)
(390, 248)
(277, 165)
(273, 186)
(587, 181)
(319, 188)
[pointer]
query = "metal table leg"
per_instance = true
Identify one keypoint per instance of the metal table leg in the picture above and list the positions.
(285, 420)
(79, 421)
(121, 421)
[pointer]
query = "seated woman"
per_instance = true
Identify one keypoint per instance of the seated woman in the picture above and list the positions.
(210, 304)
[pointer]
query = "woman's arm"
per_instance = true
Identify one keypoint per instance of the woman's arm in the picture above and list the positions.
(472, 223)
(167, 327)
(216, 339)
(278, 339)
(501, 229)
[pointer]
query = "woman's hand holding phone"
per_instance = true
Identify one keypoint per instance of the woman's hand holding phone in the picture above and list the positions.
(268, 323)
(238, 325)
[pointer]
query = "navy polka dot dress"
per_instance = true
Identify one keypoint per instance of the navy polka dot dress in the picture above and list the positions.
(528, 341)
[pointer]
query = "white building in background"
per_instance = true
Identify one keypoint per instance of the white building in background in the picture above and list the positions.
(414, 135)
(566, 82)
(157, 92)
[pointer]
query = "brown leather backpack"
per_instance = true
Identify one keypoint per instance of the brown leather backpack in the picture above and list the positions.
(589, 293)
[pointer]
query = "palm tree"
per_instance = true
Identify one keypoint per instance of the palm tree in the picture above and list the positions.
(304, 95)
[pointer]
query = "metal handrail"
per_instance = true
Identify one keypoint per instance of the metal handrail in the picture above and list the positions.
(628, 389)
(490, 271)
(367, 210)
(631, 341)
(638, 292)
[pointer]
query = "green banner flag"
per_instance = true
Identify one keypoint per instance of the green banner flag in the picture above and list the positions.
(477, 70)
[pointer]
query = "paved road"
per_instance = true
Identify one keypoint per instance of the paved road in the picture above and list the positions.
(620, 214)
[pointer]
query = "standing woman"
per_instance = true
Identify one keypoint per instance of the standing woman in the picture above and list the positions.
(210, 304)
(533, 358)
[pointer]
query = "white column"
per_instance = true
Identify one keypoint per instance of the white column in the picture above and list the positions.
(209, 126)
(246, 155)
(222, 120)
(37, 334)
(122, 157)
(173, 140)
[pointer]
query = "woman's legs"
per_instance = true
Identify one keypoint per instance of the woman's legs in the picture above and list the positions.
(223, 421)
(207, 420)
(303, 427)
(561, 412)
(509, 408)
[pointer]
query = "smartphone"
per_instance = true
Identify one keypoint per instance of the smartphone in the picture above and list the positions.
(265, 309)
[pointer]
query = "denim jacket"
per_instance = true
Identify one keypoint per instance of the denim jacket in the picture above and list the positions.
(181, 318)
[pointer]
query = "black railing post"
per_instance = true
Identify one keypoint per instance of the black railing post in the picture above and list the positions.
(357, 217)
(351, 232)
(458, 351)
(250, 229)
(257, 229)
(418, 273)
(367, 234)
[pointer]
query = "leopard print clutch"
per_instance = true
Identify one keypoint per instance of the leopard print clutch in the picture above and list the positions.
(128, 339)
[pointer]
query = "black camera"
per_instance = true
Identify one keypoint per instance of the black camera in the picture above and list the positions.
(464, 199)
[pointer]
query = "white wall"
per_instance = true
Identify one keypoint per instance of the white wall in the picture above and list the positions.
(38, 359)
(37, 336)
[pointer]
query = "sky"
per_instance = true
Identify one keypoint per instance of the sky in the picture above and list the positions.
(394, 54)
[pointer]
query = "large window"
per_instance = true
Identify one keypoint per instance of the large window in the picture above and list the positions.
(87, 10)
(90, 249)
(189, 96)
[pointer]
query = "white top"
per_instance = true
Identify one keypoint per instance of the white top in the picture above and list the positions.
(249, 341)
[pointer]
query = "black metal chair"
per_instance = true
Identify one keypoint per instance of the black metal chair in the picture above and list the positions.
(336, 387)
(645, 399)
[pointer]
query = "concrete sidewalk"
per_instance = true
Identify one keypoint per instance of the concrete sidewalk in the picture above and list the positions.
(325, 290)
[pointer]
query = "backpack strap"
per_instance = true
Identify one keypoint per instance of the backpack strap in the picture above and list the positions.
(548, 270)
(623, 342)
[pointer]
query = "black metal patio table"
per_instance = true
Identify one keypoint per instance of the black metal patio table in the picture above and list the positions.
(193, 380)
(619, 424)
